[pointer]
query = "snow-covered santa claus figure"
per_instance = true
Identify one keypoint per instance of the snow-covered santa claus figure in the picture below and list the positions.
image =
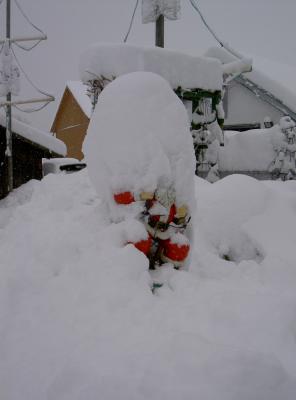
(165, 222)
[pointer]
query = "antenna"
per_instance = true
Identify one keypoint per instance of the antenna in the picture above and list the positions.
(9, 79)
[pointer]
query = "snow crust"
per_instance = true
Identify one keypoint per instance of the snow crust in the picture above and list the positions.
(179, 69)
(78, 320)
(138, 139)
(44, 139)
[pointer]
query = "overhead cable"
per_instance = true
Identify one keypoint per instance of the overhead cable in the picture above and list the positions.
(131, 22)
(32, 24)
(229, 49)
(31, 110)
(34, 86)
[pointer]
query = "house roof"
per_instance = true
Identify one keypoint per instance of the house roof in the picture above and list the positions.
(179, 69)
(78, 90)
(37, 136)
(276, 78)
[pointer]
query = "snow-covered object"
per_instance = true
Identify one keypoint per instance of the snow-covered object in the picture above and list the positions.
(284, 144)
(247, 151)
(52, 165)
(286, 123)
(152, 9)
(9, 72)
(79, 91)
(138, 139)
(113, 60)
(44, 139)
(238, 67)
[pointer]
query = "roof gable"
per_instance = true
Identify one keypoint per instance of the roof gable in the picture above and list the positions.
(276, 78)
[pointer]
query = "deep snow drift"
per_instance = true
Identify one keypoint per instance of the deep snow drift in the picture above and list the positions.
(78, 319)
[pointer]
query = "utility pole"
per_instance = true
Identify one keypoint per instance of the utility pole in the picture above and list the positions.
(8, 113)
(156, 11)
(8, 80)
(159, 31)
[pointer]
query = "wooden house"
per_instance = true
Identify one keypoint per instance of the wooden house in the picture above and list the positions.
(72, 118)
(29, 146)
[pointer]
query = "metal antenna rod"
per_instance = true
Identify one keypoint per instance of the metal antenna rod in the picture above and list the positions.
(8, 112)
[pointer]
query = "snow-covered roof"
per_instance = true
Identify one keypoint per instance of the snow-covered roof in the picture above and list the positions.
(44, 139)
(179, 69)
(276, 78)
(78, 90)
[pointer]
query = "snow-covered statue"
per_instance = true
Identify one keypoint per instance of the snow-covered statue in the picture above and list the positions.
(164, 222)
(267, 122)
(284, 143)
(141, 161)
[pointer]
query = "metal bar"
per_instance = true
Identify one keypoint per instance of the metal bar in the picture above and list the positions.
(37, 100)
(24, 39)
(8, 151)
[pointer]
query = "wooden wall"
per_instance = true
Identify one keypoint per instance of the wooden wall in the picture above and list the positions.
(70, 125)
(27, 161)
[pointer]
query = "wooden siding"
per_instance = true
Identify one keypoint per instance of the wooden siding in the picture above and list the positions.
(70, 125)
(27, 161)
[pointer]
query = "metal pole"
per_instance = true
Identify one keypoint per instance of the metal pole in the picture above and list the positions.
(8, 115)
(159, 31)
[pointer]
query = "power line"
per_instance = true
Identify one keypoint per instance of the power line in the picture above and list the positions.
(31, 110)
(195, 6)
(32, 24)
(34, 86)
(27, 48)
(27, 77)
(222, 44)
(131, 22)
(27, 18)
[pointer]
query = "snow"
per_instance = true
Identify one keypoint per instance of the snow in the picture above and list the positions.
(247, 151)
(139, 138)
(79, 321)
(79, 90)
(179, 69)
(257, 149)
(275, 77)
(44, 139)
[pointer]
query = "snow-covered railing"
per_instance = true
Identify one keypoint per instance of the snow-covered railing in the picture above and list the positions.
(179, 69)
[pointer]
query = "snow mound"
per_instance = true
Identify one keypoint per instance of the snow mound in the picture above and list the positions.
(224, 207)
(247, 151)
(139, 137)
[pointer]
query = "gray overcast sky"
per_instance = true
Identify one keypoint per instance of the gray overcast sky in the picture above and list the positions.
(262, 27)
